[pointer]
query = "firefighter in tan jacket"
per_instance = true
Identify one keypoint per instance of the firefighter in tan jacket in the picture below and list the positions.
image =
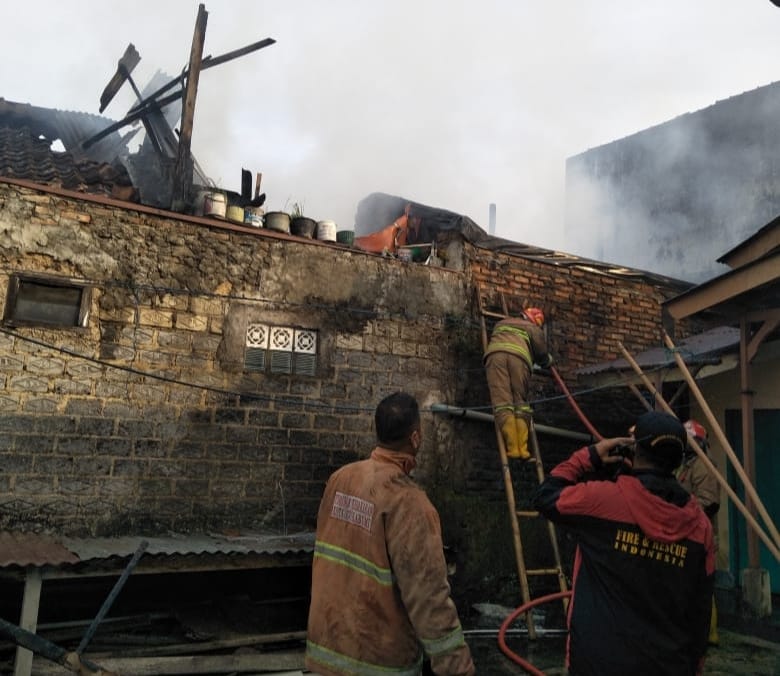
(380, 599)
(516, 344)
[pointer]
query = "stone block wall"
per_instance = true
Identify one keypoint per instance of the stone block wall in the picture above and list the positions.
(147, 419)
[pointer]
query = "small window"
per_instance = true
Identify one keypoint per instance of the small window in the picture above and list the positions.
(280, 349)
(46, 301)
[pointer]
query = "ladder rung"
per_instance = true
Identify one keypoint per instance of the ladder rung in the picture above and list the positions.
(527, 513)
(543, 571)
(490, 313)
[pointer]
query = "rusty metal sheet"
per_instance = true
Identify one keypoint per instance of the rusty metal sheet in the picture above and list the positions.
(32, 549)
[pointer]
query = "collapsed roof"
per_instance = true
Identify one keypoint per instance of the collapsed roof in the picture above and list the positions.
(379, 209)
(107, 166)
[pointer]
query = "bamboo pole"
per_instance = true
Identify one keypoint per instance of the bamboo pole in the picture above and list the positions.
(639, 396)
(707, 462)
(715, 427)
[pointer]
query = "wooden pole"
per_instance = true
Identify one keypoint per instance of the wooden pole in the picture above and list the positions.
(750, 490)
(182, 175)
(748, 441)
(707, 462)
(639, 396)
(31, 601)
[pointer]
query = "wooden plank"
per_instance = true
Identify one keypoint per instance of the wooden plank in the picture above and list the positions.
(204, 646)
(28, 619)
(182, 174)
(190, 664)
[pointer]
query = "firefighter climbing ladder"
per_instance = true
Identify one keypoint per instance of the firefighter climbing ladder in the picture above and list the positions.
(523, 571)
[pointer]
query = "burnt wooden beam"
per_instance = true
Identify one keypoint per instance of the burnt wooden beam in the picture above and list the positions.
(198, 664)
(208, 62)
(182, 172)
(194, 648)
(127, 63)
(143, 107)
(132, 117)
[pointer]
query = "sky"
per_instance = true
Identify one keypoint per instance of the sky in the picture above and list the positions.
(455, 104)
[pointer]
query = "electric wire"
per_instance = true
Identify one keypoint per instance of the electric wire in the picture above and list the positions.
(271, 398)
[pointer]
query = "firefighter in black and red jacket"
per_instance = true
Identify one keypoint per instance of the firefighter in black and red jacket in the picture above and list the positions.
(644, 564)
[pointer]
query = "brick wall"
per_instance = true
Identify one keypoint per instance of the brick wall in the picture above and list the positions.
(588, 316)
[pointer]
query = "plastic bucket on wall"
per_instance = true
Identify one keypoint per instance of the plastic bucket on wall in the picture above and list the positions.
(253, 216)
(345, 237)
(200, 196)
(326, 231)
(303, 226)
(214, 204)
(235, 213)
(278, 220)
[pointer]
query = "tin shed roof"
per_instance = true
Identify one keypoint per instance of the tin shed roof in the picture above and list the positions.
(32, 549)
(699, 349)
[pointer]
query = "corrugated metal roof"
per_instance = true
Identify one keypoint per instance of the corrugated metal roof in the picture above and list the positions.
(88, 549)
(694, 349)
(29, 549)
(32, 549)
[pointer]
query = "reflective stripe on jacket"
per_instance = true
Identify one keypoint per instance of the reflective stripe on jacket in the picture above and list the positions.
(521, 338)
(380, 595)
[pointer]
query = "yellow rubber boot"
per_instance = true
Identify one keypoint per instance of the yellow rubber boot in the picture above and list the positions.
(509, 433)
(713, 637)
(521, 424)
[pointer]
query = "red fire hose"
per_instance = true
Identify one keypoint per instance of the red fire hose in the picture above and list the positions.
(573, 403)
(530, 668)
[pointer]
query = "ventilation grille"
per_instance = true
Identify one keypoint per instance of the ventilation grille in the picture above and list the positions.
(280, 349)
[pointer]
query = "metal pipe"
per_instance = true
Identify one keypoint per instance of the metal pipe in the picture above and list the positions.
(92, 628)
(514, 632)
(488, 417)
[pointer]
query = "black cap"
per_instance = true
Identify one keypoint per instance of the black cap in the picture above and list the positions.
(662, 437)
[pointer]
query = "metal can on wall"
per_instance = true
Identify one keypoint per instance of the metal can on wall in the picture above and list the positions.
(326, 231)
(214, 204)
